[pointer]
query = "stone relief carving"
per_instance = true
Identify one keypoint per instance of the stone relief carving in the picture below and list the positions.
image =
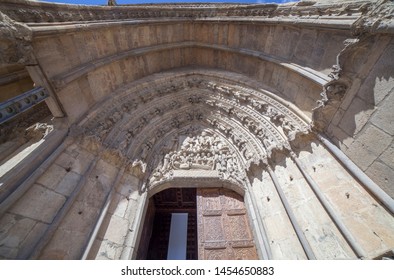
(50, 13)
(198, 152)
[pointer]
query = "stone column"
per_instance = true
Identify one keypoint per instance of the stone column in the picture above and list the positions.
(353, 169)
(300, 234)
(50, 231)
(136, 224)
(330, 211)
(101, 216)
(264, 247)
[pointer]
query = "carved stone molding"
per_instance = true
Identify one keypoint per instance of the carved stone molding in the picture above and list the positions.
(143, 126)
(377, 19)
(45, 12)
(15, 42)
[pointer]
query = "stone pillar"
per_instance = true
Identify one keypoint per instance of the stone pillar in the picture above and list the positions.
(50, 231)
(330, 211)
(135, 228)
(101, 216)
(256, 218)
(300, 234)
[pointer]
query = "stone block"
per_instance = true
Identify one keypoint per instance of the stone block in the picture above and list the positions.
(347, 200)
(374, 139)
(93, 193)
(278, 227)
(291, 249)
(361, 156)
(72, 150)
(297, 192)
(7, 253)
(82, 162)
(343, 140)
(364, 236)
(132, 210)
(33, 236)
(52, 176)
(310, 213)
(65, 245)
(14, 229)
(117, 230)
(269, 201)
(356, 116)
(39, 203)
(328, 244)
(105, 173)
(384, 116)
(305, 46)
(381, 223)
(380, 80)
(65, 160)
(129, 187)
(387, 157)
(80, 217)
(68, 95)
(382, 175)
(109, 251)
(118, 206)
(68, 184)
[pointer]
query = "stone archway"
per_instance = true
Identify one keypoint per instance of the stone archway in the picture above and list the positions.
(198, 126)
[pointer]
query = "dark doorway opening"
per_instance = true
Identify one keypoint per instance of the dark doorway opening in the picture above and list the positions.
(156, 231)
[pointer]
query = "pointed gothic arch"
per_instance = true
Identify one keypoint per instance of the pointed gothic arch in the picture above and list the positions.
(235, 96)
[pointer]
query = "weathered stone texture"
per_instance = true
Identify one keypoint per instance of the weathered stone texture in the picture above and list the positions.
(118, 221)
(17, 235)
(31, 204)
(350, 199)
(276, 222)
(365, 121)
(71, 237)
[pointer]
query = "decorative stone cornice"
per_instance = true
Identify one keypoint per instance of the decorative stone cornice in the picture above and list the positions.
(378, 19)
(15, 42)
(36, 12)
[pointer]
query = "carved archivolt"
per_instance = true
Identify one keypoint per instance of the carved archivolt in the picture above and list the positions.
(178, 126)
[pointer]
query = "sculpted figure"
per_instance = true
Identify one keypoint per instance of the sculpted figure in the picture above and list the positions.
(145, 149)
(260, 106)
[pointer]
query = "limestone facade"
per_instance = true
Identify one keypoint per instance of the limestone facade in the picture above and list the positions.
(289, 105)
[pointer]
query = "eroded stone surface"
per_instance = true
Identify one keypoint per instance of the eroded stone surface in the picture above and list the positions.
(31, 205)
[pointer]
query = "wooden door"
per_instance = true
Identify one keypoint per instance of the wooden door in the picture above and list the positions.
(223, 227)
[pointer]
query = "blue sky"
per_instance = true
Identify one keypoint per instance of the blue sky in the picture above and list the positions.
(104, 2)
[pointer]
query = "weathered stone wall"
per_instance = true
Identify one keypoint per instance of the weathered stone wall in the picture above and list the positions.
(121, 54)
(370, 224)
(365, 218)
(362, 126)
(120, 221)
(25, 222)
